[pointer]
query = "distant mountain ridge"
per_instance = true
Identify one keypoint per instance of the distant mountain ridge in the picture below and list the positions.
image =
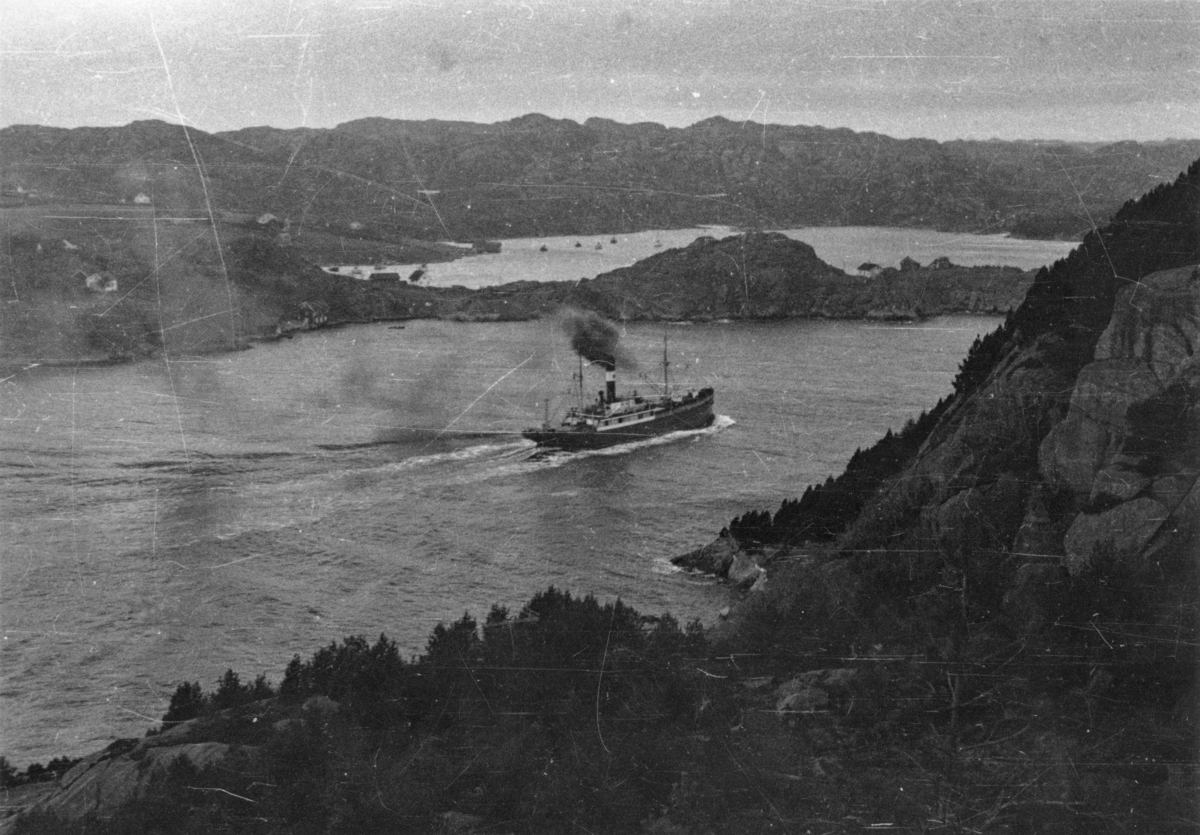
(535, 175)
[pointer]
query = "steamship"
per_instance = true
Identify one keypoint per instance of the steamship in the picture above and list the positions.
(609, 420)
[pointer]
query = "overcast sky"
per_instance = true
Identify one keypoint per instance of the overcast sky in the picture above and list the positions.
(942, 69)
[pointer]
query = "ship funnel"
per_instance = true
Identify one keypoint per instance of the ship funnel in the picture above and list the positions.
(610, 384)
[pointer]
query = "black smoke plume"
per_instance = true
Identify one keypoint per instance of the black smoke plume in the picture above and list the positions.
(595, 339)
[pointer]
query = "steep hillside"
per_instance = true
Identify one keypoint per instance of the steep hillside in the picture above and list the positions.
(1015, 386)
(1031, 546)
(999, 432)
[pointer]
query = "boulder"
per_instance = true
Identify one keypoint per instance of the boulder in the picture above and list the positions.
(1077, 449)
(1073, 452)
(320, 707)
(1118, 480)
(1155, 322)
(714, 558)
(1172, 490)
(744, 571)
(1123, 531)
(813, 691)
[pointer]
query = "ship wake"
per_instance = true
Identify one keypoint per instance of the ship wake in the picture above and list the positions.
(719, 424)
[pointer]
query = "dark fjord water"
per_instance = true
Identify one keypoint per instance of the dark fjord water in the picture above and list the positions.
(165, 521)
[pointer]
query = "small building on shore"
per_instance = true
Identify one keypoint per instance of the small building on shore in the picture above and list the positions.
(314, 314)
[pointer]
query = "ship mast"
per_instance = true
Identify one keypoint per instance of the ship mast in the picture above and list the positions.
(580, 378)
(666, 383)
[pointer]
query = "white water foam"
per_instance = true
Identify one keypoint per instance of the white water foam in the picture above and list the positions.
(719, 423)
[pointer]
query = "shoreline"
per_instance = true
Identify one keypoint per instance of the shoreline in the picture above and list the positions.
(19, 366)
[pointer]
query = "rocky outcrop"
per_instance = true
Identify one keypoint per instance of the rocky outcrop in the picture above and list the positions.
(745, 572)
(1125, 531)
(714, 558)
(813, 691)
(1128, 452)
(725, 558)
(97, 786)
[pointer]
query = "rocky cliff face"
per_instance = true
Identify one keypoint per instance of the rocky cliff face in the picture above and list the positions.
(1039, 471)
(1079, 450)
(1075, 456)
(1125, 459)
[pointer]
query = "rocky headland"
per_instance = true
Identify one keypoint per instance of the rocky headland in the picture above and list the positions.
(222, 292)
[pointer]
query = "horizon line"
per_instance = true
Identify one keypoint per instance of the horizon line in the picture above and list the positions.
(745, 123)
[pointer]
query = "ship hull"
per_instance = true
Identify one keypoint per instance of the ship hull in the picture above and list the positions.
(695, 414)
